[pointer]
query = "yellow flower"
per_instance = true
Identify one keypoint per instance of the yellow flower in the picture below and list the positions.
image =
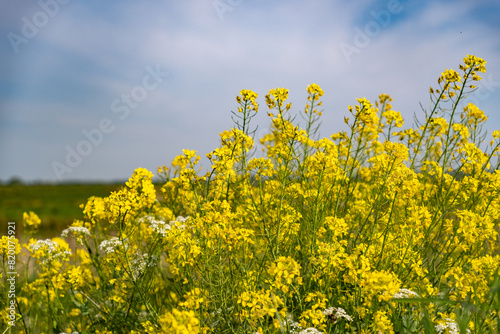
(476, 63)
(285, 272)
(5, 241)
(74, 277)
(380, 284)
(381, 323)
(94, 210)
(31, 220)
(179, 322)
(450, 76)
(75, 312)
(259, 305)
(277, 97)
(247, 99)
(314, 315)
(474, 114)
(315, 90)
(139, 194)
(393, 117)
(193, 299)
(248, 95)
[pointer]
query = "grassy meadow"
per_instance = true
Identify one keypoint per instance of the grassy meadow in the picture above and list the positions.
(385, 227)
(57, 205)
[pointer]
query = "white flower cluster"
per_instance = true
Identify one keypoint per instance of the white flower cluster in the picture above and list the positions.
(75, 230)
(181, 220)
(337, 313)
(49, 244)
(310, 330)
(141, 262)
(405, 293)
(147, 218)
(50, 247)
(111, 245)
(451, 325)
(161, 227)
(295, 328)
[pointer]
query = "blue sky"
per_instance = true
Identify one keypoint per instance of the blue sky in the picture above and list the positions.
(131, 83)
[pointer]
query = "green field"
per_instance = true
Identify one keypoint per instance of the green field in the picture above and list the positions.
(57, 205)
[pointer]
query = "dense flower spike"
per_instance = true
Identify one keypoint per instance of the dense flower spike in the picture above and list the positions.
(247, 98)
(397, 225)
(276, 97)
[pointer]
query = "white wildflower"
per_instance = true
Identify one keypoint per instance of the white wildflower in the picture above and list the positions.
(51, 248)
(49, 245)
(405, 293)
(147, 218)
(159, 226)
(111, 245)
(449, 324)
(141, 262)
(181, 220)
(336, 313)
(295, 328)
(76, 231)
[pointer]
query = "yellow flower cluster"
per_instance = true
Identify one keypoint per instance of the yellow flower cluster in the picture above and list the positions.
(454, 83)
(5, 241)
(286, 271)
(257, 305)
(125, 204)
(31, 220)
(179, 322)
(247, 99)
(315, 92)
(276, 98)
